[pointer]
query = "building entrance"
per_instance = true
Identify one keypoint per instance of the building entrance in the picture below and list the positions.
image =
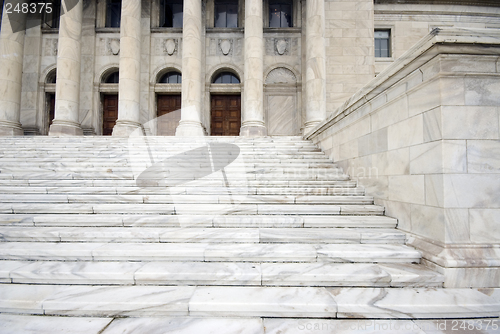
(168, 111)
(225, 115)
(109, 114)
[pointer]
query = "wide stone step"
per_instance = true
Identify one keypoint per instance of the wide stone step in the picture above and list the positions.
(180, 198)
(206, 301)
(234, 221)
(162, 180)
(188, 185)
(208, 252)
(188, 190)
(192, 234)
(192, 209)
(218, 273)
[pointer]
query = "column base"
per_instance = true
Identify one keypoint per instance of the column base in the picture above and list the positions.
(125, 128)
(253, 129)
(189, 129)
(64, 128)
(308, 126)
(10, 129)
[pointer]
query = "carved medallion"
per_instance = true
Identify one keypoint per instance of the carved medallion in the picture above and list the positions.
(225, 46)
(114, 46)
(170, 46)
(281, 46)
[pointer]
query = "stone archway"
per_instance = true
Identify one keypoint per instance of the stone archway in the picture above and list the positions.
(281, 102)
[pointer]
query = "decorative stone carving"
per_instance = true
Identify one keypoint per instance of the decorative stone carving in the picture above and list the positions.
(281, 46)
(281, 75)
(225, 46)
(50, 48)
(170, 46)
(114, 46)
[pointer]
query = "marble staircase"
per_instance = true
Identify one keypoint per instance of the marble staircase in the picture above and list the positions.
(268, 227)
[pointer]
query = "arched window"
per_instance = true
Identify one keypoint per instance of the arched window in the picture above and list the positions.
(51, 77)
(112, 78)
(171, 78)
(226, 78)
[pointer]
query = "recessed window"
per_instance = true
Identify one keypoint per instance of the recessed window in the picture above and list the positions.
(112, 78)
(51, 19)
(171, 78)
(226, 14)
(280, 14)
(382, 43)
(226, 78)
(113, 13)
(171, 13)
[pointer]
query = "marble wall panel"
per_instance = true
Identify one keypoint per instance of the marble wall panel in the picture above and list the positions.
(484, 225)
(407, 188)
(282, 114)
(469, 122)
(483, 156)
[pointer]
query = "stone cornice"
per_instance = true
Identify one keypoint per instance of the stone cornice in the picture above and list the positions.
(449, 40)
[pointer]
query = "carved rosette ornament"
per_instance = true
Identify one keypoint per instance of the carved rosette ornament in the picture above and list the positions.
(281, 46)
(170, 46)
(225, 46)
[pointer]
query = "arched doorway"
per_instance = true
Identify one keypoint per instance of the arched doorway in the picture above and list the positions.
(50, 100)
(225, 105)
(282, 102)
(109, 100)
(168, 102)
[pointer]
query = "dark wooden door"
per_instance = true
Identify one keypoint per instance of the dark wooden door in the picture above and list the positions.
(110, 114)
(168, 111)
(226, 115)
(51, 104)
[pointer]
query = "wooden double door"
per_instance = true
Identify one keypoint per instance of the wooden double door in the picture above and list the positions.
(225, 115)
(168, 112)
(109, 113)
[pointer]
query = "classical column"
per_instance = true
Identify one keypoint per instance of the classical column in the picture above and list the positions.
(129, 86)
(253, 93)
(66, 120)
(11, 72)
(190, 123)
(315, 64)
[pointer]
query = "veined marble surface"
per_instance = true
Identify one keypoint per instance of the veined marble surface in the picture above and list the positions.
(20, 324)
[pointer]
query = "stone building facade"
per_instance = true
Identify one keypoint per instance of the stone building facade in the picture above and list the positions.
(246, 67)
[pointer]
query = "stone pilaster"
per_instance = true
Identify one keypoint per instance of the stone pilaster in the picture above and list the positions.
(129, 88)
(66, 121)
(190, 123)
(11, 71)
(253, 94)
(315, 64)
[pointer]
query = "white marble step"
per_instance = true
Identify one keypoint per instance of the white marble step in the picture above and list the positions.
(202, 251)
(188, 190)
(193, 234)
(15, 324)
(205, 301)
(234, 221)
(130, 186)
(181, 198)
(191, 209)
(218, 273)
(161, 179)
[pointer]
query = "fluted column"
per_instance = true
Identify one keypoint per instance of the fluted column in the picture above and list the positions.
(315, 64)
(11, 72)
(129, 87)
(253, 94)
(190, 123)
(66, 121)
